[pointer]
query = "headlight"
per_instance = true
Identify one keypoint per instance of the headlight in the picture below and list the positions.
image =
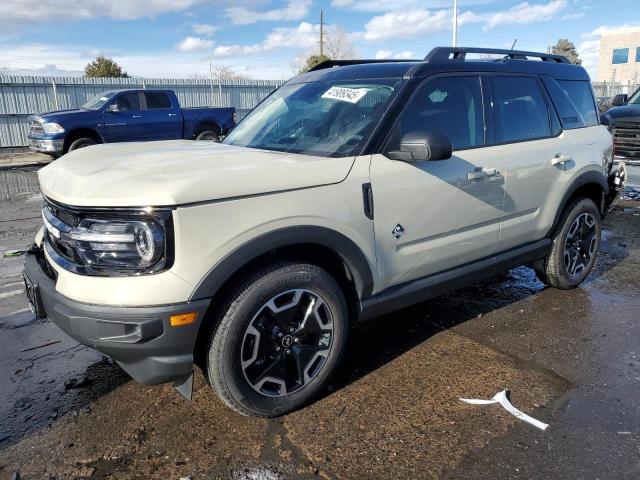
(52, 128)
(110, 244)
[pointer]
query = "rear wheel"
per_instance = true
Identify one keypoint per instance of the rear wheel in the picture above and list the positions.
(81, 143)
(575, 246)
(279, 338)
(209, 135)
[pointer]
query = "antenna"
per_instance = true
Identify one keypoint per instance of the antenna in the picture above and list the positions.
(321, 33)
(455, 24)
(514, 44)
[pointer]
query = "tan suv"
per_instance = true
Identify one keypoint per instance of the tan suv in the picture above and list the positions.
(356, 188)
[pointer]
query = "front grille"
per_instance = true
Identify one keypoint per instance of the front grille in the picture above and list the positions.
(35, 128)
(626, 140)
(64, 220)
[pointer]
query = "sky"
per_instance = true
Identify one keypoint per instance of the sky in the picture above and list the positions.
(268, 39)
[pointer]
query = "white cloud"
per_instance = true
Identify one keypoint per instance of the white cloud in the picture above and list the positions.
(524, 13)
(28, 11)
(404, 55)
(203, 29)
(408, 23)
(573, 16)
(194, 44)
(294, 10)
(386, 5)
(303, 36)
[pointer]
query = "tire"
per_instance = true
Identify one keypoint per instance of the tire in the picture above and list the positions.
(81, 143)
(208, 135)
(575, 246)
(253, 332)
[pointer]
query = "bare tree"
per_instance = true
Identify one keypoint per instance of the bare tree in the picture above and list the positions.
(227, 72)
(338, 44)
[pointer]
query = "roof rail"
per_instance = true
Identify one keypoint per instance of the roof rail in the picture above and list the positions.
(342, 63)
(448, 54)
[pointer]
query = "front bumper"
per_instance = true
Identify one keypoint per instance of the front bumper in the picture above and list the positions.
(140, 339)
(46, 146)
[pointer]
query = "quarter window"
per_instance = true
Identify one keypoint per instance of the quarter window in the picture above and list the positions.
(580, 94)
(521, 112)
(620, 55)
(157, 100)
(452, 105)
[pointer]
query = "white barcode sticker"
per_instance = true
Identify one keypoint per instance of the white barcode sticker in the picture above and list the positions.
(351, 95)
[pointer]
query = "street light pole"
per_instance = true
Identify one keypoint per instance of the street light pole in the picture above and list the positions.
(455, 23)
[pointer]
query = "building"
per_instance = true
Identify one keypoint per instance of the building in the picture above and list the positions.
(619, 60)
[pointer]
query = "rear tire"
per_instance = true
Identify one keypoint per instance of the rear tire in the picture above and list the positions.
(575, 247)
(208, 135)
(278, 339)
(81, 143)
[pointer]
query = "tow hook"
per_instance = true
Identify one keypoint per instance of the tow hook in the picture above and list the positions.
(617, 179)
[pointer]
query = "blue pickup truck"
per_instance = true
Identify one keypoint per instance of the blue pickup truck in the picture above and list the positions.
(126, 116)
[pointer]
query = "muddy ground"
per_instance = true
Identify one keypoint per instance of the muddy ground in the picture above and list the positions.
(570, 359)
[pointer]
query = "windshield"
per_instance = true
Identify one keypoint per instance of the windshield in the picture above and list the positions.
(330, 119)
(98, 101)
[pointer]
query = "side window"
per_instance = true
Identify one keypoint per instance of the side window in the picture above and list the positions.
(452, 105)
(581, 96)
(157, 100)
(520, 110)
(128, 101)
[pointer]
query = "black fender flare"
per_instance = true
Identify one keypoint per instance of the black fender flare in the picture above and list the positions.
(588, 177)
(345, 248)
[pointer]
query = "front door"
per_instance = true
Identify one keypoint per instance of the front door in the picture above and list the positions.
(432, 216)
(123, 119)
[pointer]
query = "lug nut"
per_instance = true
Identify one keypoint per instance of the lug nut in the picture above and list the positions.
(291, 330)
(278, 349)
(296, 340)
(279, 334)
(288, 351)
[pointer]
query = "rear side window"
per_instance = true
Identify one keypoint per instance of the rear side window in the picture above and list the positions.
(157, 100)
(520, 110)
(451, 105)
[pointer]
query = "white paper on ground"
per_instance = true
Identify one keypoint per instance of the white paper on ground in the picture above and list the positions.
(502, 399)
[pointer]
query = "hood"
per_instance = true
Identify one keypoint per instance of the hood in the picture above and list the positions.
(59, 114)
(178, 172)
(626, 113)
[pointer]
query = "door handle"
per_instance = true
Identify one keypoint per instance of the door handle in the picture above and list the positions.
(561, 160)
(479, 173)
(137, 116)
(173, 114)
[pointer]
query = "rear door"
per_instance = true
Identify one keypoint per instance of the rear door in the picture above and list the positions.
(163, 117)
(536, 154)
(127, 122)
(432, 216)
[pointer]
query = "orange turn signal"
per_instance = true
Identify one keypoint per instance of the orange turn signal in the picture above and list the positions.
(183, 319)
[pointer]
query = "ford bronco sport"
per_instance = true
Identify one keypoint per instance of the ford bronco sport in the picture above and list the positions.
(355, 189)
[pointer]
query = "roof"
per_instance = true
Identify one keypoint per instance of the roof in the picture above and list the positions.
(447, 59)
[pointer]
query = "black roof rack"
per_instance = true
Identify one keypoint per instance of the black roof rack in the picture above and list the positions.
(342, 63)
(444, 54)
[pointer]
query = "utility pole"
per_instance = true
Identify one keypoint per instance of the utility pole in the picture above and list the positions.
(321, 33)
(455, 23)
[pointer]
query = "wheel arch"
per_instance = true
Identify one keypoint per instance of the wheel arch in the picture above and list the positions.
(590, 184)
(80, 132)
(204, 125)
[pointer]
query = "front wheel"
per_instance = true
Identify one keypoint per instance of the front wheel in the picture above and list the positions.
(81, 143)
(575, 247)
(278, 339)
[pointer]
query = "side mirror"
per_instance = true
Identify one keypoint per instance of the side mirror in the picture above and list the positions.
(422, 145)
(619, 100)
(113, 108)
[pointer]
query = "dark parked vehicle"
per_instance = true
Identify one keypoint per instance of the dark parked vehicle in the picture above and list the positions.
(623, 121)
(133, 115)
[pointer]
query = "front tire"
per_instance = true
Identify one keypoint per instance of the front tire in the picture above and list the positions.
(81, 143)
(278, 339)
(576, 243)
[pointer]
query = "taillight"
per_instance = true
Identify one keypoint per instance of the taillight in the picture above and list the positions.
(235, 118)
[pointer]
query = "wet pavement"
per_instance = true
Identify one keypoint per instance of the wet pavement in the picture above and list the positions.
(570, 359)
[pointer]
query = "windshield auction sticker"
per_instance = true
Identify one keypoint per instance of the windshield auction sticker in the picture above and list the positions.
(351, 95)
